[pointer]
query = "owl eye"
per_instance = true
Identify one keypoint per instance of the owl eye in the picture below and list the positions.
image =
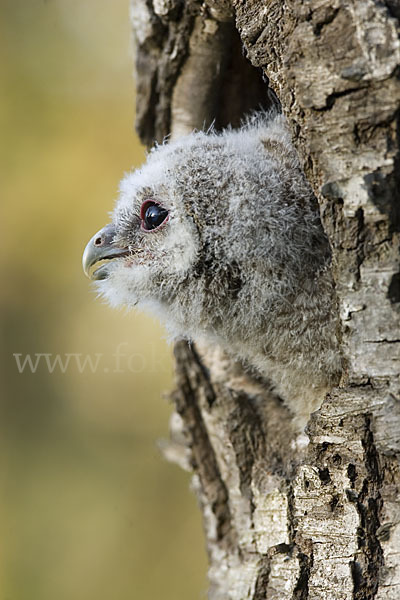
(152, 215)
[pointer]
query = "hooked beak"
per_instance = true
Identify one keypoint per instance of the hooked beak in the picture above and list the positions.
(101, 247)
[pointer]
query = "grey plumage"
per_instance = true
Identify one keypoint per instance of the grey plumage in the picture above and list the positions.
(241, 259)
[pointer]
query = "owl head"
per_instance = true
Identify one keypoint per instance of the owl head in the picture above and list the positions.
(210, 223)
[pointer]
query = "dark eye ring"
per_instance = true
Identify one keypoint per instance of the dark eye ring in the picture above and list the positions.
(152, 215)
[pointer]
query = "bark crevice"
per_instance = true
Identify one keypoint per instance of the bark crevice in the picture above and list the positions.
(192, 377)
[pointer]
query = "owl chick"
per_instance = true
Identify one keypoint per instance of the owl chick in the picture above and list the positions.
(219, 235)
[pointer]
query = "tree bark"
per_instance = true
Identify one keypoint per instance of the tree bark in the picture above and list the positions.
(289, 515)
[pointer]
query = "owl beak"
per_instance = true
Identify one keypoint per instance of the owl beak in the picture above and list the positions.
(101, 247)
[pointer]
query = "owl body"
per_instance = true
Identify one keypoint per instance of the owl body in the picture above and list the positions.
(240, 258)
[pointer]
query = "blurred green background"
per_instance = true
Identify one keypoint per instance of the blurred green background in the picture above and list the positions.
(90, 510)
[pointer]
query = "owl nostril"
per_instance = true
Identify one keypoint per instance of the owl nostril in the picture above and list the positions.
(98, 241)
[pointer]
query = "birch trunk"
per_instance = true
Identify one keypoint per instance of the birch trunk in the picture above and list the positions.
(316, 515)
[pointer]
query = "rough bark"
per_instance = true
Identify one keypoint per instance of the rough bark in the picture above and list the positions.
(317, 515)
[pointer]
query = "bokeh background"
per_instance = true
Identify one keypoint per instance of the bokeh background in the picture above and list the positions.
(90, 510)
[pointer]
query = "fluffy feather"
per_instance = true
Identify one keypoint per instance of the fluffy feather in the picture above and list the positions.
(242, 260)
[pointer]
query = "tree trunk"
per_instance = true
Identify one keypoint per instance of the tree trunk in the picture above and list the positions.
(289, 515)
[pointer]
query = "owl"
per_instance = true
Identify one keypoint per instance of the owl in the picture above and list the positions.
(219, 235)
